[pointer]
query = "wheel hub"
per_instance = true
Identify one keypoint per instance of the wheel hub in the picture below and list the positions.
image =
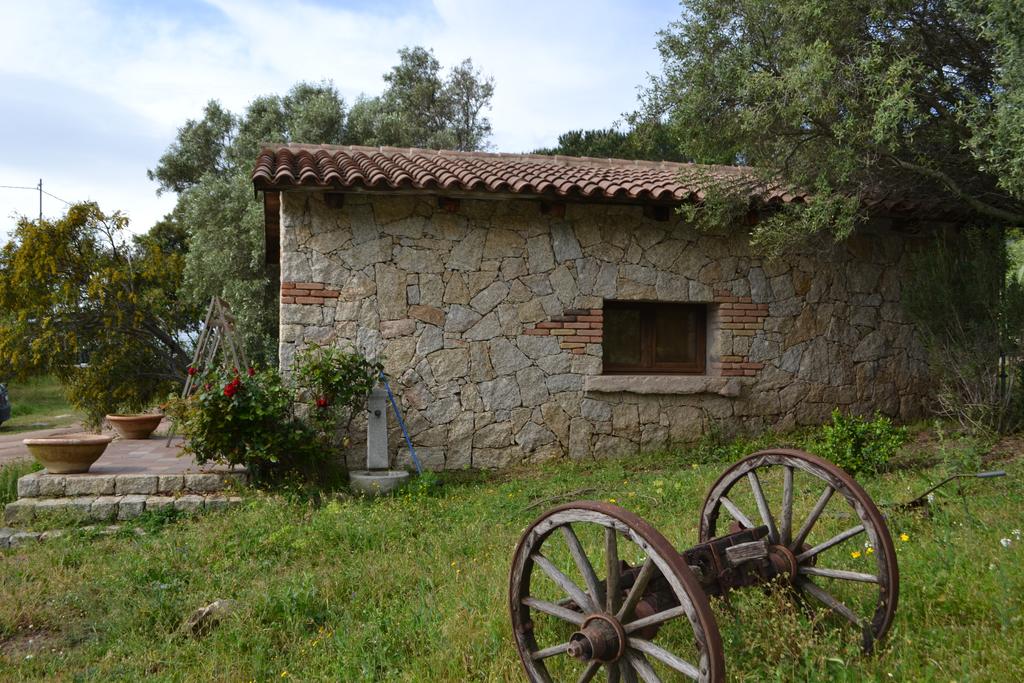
(600, 638)
(784, 561)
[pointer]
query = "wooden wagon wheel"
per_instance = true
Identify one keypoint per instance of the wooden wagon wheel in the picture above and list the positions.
(569, 628)
(829, 546)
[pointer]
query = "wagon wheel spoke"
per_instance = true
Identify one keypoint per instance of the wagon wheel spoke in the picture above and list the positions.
(611, 557)
(812, 518)
(637, 591)
(656, 618)
(834, 541)
(762, 506)
(663, 655)
(579, 556)
(589, 673)
(642, 666)
(546, 610)
(736, 513)
(829, 601)
(550, 651)
(563, 613)
(841, 574)
(785, 532)
(803, 488)
(575, 592)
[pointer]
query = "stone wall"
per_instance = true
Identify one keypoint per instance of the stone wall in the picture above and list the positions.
(488, 314)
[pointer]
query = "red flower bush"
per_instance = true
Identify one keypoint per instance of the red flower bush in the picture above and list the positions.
(247, 420)
(250, 419)
(191, 371)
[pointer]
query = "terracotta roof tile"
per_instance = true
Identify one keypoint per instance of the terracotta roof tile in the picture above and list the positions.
(280, 167)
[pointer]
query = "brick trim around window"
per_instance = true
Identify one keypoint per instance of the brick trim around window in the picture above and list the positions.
(306, 293)
(738, 316)
(575, 328)
(735, 316)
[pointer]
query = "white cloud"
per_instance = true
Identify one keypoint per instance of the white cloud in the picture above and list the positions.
(112, 82)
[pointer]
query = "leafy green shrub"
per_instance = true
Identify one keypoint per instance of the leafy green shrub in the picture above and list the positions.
(857, 444)
(424, 485)
(968, 306)
(336, 384)
(246, 419)
(962, 452)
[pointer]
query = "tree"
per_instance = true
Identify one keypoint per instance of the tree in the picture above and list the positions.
(209, 164)
(650, 140)
(850, 100)
(421, 109)
(100, 313)
(997, 120)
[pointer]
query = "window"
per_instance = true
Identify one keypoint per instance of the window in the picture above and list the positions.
(652, 338)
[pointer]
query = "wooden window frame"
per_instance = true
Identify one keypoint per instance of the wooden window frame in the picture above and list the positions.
(649, 311)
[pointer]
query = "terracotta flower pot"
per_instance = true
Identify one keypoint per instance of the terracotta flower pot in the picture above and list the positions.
(135, 426)
(70, 454)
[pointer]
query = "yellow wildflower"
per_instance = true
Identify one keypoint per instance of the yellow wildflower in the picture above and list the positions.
(904, 538)
(612, 500)
(870, 550)
(855, 554)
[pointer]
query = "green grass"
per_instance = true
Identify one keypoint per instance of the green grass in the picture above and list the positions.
(9, 475)
(413, 588)
(38, 403)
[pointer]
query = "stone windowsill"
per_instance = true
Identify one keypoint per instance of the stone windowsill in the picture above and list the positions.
(665, 384)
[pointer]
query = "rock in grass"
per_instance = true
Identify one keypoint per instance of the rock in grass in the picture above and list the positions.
(204, 619)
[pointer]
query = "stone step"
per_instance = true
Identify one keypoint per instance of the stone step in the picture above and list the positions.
(45, 485)
(12, 538)
(24, 511)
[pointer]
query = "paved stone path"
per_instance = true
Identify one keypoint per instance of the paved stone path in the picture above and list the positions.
(151, 456)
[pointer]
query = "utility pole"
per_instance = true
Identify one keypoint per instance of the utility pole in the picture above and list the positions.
(40, 201)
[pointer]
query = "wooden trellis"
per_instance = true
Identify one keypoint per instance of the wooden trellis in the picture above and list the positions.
(218, 330)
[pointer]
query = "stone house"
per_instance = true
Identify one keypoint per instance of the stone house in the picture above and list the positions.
(532, 307)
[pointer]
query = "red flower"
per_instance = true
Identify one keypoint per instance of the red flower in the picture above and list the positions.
(206, 386)
(191, 371)
(252, 371)
(322, 402)
(231, 388)
(234, 370)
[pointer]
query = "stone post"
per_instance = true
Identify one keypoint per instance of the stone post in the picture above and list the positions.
(377, 430)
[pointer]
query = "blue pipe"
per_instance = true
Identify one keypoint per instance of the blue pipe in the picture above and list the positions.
(401, 423)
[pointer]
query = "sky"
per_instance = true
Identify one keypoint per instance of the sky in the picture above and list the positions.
(94, 90)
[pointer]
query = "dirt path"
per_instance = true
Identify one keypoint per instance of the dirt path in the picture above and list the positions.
(11, 447)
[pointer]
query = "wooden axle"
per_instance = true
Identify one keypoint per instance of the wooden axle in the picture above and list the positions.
(738, 560)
